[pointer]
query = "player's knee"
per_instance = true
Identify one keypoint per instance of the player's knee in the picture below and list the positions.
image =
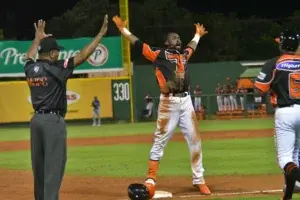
(156, 155)
(283, 162)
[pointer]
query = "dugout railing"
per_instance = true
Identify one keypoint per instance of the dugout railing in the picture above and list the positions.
(254, 106)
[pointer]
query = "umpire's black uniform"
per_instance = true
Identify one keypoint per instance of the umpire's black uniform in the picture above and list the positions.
(47, 81)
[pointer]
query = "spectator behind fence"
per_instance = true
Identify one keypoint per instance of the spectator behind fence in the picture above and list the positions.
(242, 91)
(225, 92)
(232, 98)
(197, 98)
(218, 91)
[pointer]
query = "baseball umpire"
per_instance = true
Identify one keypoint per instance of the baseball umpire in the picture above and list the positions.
(47, 79)
(281, 75)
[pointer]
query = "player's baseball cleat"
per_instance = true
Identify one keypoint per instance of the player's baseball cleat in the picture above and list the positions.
(203, 189)
(151, 190)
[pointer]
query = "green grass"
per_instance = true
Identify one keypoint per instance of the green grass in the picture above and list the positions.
(76, 131)
(246, 156)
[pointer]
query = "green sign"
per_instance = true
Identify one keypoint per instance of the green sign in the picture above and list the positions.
(107, 56)
(121, 99)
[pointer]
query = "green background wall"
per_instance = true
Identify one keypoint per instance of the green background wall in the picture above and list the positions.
(207, 75)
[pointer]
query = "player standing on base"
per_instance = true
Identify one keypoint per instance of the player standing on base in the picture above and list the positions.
(281, 75)
(175, 105)
(47, 80)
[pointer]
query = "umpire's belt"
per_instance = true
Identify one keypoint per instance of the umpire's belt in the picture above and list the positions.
(179, 94)
(54, 112)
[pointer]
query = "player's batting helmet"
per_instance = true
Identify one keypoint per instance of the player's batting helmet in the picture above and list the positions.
(137, 191)
(289, 40)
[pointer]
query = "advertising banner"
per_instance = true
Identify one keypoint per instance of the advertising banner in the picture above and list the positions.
(15, 101)
(107, 56)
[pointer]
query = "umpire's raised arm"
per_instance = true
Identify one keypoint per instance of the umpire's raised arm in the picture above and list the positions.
(39, 35)
(148, 52)
(85, 53)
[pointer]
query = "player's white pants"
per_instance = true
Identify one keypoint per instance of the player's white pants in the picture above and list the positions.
(173, 111)
(233, 102)
(197, 104)
(220, 103)
(242, 102)
(287, 134)
(227, 105)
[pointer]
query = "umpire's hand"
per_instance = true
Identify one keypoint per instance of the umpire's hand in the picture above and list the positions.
(104, 25)
(40, 30)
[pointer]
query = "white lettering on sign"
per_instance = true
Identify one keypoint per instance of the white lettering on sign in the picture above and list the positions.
(12, 56)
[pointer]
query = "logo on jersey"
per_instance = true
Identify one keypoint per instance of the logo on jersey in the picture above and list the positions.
(291, 65)
(99, 57)
(261, 76)
(36, 69)
(72, 97)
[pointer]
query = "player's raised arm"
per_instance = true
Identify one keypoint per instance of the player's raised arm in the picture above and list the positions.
(39, 35)
(147, 51)
(87, 51)
(265, 77)
(192, 45)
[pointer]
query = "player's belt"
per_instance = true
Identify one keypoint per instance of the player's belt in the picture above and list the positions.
(55, 112)
(179, 94)
(288, 105)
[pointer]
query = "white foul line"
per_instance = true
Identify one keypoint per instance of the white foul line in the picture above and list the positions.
(228, 193)
(234, 193)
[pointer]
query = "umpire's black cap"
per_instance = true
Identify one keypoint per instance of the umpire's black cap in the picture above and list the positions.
(138, 191)
(289, 40)
(48, 44)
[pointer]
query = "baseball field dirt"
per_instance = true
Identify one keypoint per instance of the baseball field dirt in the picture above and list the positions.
(17, 185)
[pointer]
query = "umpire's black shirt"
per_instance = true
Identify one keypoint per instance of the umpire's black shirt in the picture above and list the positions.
(47, 82)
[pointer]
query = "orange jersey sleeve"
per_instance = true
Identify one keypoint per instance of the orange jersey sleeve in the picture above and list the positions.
(150, 53)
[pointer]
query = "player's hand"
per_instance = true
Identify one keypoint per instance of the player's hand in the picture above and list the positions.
(200, 29)
(103, 29)
(40, 30)
(119, 22)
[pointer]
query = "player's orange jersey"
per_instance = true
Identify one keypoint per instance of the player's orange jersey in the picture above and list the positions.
(170, 67)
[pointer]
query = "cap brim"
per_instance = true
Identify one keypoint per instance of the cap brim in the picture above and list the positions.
(60, 48)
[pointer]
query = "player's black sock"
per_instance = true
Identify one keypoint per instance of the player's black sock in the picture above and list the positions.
(292, 171)
(290, 184)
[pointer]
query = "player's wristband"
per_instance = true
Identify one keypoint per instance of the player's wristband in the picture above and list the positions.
(126, 31)
(196, 38)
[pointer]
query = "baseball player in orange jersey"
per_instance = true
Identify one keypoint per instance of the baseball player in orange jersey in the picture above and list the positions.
(175, 107)
(281, 75)
(273, 102)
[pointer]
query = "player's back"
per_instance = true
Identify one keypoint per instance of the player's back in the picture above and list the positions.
(286, 80)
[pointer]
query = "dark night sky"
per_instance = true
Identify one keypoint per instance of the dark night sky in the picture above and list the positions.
(26, 12)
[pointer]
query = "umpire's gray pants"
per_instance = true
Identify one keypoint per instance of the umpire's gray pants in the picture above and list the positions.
(48, 154)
